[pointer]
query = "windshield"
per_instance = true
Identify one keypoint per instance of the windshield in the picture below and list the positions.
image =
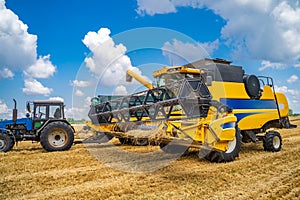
(168, 79)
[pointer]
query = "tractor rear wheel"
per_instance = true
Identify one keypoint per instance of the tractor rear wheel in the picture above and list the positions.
(57, 136)
(231, 153)
(6, 142)
(272, 141)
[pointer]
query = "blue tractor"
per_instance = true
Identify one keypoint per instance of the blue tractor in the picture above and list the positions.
(45, 122)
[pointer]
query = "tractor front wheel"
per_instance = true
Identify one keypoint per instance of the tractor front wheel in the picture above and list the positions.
(231, 153)
(57, 136)
(6, 142)
(272, 141)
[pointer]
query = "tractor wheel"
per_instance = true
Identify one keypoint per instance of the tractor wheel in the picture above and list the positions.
(272, 141)
(229, 155)
(57, 136)
(6, 142)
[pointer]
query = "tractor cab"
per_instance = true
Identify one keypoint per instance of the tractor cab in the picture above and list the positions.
(43, 110)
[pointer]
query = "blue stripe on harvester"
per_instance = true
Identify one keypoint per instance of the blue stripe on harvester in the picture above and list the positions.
(228, 125)
(249, 103)
(240, 116)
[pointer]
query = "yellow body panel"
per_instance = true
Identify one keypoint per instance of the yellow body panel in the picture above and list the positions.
(283, 104)
(250, 118)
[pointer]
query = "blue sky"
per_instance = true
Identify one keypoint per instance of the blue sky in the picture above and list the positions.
(73, 50)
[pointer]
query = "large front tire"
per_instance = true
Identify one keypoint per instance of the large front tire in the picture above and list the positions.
(6, 142)
(57, 136)
(234, 147)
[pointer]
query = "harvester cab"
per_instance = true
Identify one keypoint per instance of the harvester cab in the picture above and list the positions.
(45, 122)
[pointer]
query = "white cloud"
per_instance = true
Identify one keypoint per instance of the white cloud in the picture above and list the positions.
(266, 30)
(285, 89)
(78, 83)
(87, 102)
(56, 99)
(79, 93)
(18, 47)
(42, 68)
(153, 7)
(178, 51)
(76, 113)
(293, 79)
(263, 36)
(265, 64)
(33, 87)
(6, 73)
(120, 90)
(292, 95)
(3, 107)
(18, 52)
(108, 60)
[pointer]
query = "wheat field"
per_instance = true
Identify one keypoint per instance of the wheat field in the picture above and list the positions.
(29, 172)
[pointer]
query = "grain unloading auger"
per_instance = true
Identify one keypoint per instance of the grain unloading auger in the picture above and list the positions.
(174, 116)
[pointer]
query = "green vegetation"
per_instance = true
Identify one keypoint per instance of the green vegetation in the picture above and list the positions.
(291, 113)
(73, 121)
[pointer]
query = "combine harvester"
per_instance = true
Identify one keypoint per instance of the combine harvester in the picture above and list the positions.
(209, 104)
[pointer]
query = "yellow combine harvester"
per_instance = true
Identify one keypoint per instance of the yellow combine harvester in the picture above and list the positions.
(208, 103)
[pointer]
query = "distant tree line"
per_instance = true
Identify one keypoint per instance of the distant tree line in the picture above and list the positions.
(291, 113)
(75, 121)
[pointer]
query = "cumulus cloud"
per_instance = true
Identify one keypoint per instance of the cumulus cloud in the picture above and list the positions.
(56, 99)
(153, 7)
(265, 64)
(293, 96)
(293, 79)
(120, 90)
(6, 73)
(78, 83)
(42, 68)
(18, 51)
(79, 93)
(178, 51)
(33, 87)
(3, 107)
(76, 112)
(108, 60)
(266, 30)
(18, 47)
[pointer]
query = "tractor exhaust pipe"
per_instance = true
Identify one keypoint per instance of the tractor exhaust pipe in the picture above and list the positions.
(15, 112)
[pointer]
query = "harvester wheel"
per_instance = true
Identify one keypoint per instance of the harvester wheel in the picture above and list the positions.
(272, 141)
(229, 155)
(141, 142)
(6, 142)
(126, 141)
(57, 136)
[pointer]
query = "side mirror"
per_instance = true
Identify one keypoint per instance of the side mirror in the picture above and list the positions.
(28, 107)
